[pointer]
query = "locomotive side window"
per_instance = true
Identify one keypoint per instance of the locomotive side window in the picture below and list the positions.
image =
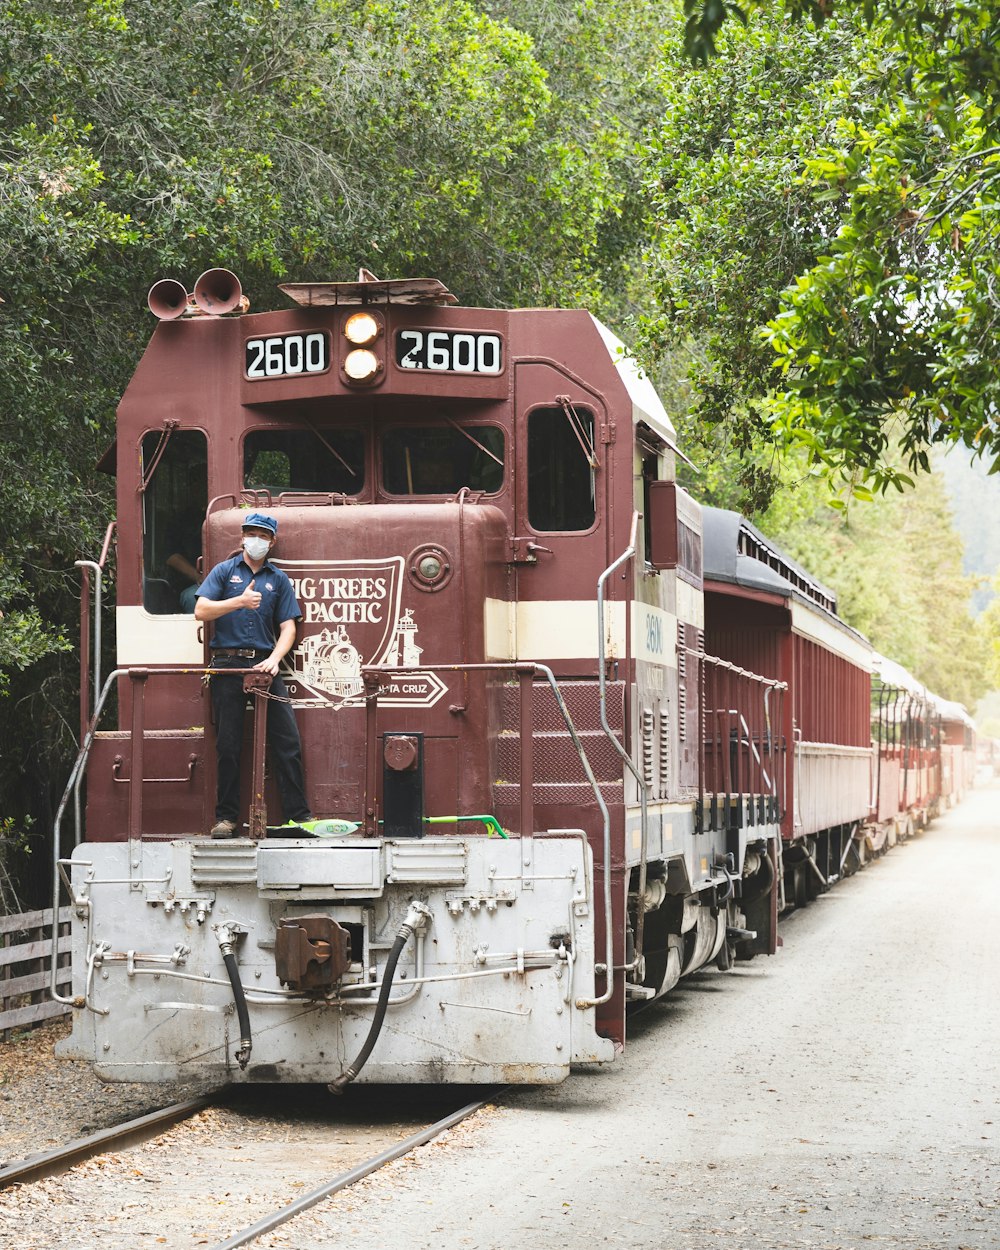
(689, 550)
(650, 474)
(307, 461)
(174, 498)
(560, 475)
(441, 459)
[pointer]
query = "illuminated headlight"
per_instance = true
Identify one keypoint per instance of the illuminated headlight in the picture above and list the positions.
(361, 329)
(361, 365)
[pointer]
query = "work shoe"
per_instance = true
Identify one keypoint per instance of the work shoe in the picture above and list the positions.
(223, 829)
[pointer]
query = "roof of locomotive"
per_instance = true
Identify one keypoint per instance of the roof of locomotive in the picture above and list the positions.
(646, 404)
(408, 293)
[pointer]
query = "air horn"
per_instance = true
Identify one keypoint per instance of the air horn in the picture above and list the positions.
(216, 292)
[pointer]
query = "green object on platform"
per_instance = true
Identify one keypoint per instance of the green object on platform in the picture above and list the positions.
(328, 828)
(491, 823)
(334, 827)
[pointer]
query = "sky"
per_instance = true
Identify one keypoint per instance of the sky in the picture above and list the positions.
(975, 503)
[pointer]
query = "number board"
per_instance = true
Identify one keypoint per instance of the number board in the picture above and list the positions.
(287, 355)
(449, 351)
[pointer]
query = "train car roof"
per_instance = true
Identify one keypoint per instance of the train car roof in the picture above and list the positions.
(949, 710)
(735, 551)
(892, 674)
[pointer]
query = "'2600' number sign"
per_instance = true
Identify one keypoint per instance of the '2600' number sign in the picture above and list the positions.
(449, 351)
(286, 355)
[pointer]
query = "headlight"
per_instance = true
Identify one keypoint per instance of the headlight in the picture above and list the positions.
(361, 365)
(361, 329)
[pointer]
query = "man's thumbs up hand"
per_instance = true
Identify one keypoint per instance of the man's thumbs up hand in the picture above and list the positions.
(251, 598)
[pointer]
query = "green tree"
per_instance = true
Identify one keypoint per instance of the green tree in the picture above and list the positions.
(988, 636)
(733, 224)
(295, 139)
(602, 60)
(896, 564)
(887, 337)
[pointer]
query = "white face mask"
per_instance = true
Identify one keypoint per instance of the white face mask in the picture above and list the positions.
(256, 548)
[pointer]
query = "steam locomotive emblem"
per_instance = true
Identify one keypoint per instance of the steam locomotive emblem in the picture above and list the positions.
(351, 617)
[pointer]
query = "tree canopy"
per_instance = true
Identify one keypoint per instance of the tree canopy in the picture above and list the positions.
(747, 207)
(732, 224)
(887, 336)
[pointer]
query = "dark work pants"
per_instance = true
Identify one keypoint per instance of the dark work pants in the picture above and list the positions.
(229, 706)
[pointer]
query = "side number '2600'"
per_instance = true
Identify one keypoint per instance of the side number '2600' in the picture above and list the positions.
(286, 355)
(449, 351)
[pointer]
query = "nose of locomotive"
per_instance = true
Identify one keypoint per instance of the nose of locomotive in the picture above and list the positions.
(399, 585)
(400, 603)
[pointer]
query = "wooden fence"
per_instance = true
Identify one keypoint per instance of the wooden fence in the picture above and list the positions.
(25, 969)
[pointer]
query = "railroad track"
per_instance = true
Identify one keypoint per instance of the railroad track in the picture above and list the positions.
(282, 1215)
(120, 1137)
(100, 1196)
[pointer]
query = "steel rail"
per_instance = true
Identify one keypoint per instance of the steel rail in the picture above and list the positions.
(270, 1222)
(62, 1158)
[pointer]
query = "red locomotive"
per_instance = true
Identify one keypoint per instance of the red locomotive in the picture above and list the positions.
(556, 762)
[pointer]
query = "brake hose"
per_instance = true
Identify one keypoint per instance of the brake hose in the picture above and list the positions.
(416, 918)
(227, 944)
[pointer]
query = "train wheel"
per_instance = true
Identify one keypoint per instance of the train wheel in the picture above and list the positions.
(662, 951)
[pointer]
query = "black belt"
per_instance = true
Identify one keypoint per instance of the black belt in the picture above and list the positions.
(246, 652)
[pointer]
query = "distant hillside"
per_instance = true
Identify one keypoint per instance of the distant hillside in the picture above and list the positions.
(975, 501)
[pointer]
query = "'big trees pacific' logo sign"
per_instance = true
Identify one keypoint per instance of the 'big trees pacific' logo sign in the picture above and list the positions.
(351, 616)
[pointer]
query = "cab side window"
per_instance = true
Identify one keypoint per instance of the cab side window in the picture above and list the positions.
(561, 483)
(174, 469)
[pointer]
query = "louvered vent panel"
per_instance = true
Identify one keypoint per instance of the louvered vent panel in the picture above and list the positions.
(664, 750)
(648, 768)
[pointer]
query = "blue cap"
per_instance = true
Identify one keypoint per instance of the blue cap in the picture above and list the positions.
(261, 522)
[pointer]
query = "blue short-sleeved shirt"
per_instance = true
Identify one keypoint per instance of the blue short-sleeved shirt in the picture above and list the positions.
(244, 627)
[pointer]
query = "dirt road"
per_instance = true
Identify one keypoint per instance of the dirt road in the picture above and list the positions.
(842, 1094)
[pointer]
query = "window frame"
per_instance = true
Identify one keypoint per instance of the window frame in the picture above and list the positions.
(549, 408)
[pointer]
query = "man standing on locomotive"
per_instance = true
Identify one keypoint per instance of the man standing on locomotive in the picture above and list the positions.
(254, 609)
